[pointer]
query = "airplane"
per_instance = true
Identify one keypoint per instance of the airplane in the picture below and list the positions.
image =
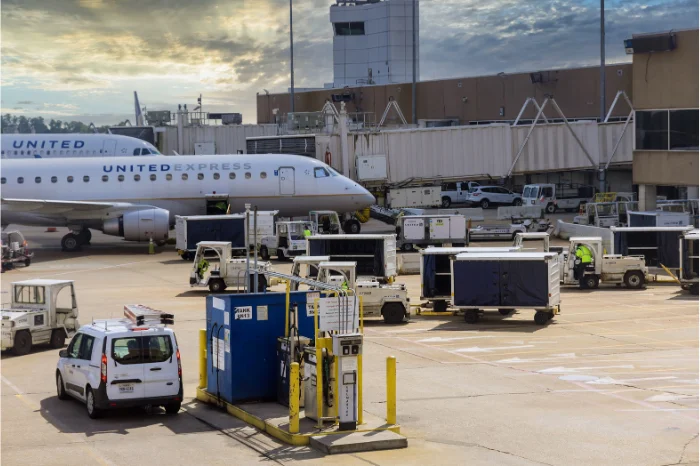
(55, 145)
(138, 199)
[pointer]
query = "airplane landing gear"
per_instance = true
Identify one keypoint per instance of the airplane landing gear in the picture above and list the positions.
(74, 241)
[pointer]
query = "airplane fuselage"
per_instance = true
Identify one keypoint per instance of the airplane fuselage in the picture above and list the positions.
(21, 146)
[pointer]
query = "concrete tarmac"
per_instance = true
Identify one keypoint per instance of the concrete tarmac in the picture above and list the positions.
(612, 380)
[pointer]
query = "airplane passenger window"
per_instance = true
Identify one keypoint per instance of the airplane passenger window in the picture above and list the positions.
(169, 177)
(216, 176)
(3, 152)
(86, 178)
(120, 178)
(75, 152)
(263, 175)
(48, 152)
(69, 179)
(105, 178)
(153, 177)
(80, 153)
(61, 153)
(137, 177)
(247, 175)
(200, 176)
(320, 172)
(3, 180)
(21, 152)
(232, 176)
(137, 152)
(54, 179)
(15, 152)
(20, 180)
(184, 177)
(37, 179)
(94, 152)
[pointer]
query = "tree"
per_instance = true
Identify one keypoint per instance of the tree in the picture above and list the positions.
(23, 125)
(39, 125)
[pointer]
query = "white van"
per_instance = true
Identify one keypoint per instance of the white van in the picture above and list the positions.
(121, 363)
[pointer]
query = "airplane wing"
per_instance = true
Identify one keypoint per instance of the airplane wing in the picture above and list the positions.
(73, 210)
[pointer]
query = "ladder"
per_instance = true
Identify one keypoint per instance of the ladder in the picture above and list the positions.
(144, 315)
(304, 281)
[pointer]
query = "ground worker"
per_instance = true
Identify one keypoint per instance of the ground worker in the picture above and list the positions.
(307, 231)
(202, 267)
(344, 285)
(222, 206)
(584, 256)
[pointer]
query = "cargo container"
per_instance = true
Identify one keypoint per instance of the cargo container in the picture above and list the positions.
(424, 230)
(375, 255)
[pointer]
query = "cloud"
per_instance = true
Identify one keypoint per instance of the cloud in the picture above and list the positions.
(94, 53)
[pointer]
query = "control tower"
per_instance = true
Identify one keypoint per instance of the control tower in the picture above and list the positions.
(373, 42)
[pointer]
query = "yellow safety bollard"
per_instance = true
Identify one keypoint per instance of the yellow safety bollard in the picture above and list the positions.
(202, 358)
(359, 390)
(319, 369)
(294, 398)
(391, 390)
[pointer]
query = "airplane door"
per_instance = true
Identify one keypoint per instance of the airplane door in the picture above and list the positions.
(286, 175)
(109, 147)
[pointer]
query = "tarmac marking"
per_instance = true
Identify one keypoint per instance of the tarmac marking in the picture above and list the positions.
(98, 268)
(79, 441)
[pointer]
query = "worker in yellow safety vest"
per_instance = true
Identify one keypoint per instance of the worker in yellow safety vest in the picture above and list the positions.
(307, 232)
(344, 285)
(202, 267)
(584, 258)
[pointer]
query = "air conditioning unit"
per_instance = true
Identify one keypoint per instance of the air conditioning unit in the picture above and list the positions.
(651, 43)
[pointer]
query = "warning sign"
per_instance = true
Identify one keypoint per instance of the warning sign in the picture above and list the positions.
(243, 313)
(338, 313)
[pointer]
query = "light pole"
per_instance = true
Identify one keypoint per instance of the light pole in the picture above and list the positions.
(601, 170)
(291, 54)
(413, 84)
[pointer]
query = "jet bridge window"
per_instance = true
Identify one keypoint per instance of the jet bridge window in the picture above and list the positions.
(320, 172)
(28, 294)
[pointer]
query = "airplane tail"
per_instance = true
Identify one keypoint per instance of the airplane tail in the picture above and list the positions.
(137, 108)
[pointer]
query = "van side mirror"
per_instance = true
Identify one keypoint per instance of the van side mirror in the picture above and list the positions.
(63, 353)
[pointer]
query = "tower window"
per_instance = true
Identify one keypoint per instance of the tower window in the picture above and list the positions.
(349, 29)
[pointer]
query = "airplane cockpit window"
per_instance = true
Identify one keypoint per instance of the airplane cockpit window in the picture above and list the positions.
(320, 172)
(137, 151)
(145, 152)
(155, 152)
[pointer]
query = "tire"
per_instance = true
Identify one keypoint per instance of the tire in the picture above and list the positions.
(439, 306)
(505, 312)
(393, 313)
(172, 408)
(518, 202)
(264, 253)
(541, 317)
(352, 227)
(280, 255)
(23, 343)
(694, 289)
(588, 282)
(551, 208)
(27, 262)
(446, 202)
(60, 387)
(70, 243)
(634, 280)
(407, 247)
(485, 204)
(85, 236)
(92, 411)
(58, 338)
(217, 285)
(186, 256)
(471, 316)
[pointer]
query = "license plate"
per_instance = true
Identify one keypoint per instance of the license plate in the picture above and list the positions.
(126, 388)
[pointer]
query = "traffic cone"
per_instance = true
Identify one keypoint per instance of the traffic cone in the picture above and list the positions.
(151, 246)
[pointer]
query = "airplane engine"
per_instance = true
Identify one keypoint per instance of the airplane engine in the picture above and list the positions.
(140, 225)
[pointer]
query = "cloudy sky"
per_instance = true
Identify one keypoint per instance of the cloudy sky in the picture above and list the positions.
(82, 59)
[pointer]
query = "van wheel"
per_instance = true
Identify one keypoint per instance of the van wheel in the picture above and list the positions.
(352, 227)
(27, 262)
(280, 255)
(58, 338)
(92, 410)
(589, 282)
(217, 285)
(518, 202)
(264, 253)
(186, 256)
(393, 313)
(694, 289)
(23, 343)
(446, 202)
(485, 204)
(551, 208)
(172, 408)
(471, 316)
(634, 280)
(407, 247)
(60, 388)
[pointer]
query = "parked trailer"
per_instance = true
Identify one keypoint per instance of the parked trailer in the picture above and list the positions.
(505, 282)
(658, 245)
(425, 230)
(375, 255)
(436, 273)
(193, 229)
(689, 250)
